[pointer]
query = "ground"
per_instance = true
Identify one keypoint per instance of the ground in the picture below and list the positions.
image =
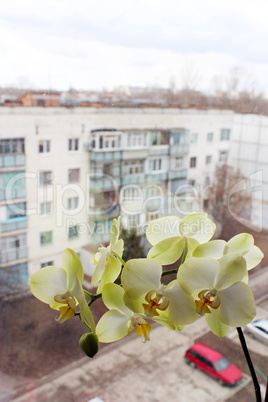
(29, 334)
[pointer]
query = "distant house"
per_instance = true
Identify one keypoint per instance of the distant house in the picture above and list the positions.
(40, 98)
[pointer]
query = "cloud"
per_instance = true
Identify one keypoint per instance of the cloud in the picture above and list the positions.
(127, 40)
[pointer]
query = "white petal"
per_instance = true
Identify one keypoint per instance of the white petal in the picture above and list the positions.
(162, 228)
(215, 324)
(73, 266)
(139, 276)
(197, 274)
(100, 267)
(47, 283)
(112, 326)
(237, 306)
(240, 243)
(181, 309)
(112, 296)
(211, 249)
(253, 257)
(198, 226)
(232, 268)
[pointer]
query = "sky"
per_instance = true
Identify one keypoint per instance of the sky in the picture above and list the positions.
(97, 44)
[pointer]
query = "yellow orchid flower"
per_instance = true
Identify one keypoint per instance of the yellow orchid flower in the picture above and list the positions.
(119, 320)
(61, 288)
(242, 243)
(167, 304)
(220, 291)
(108, 266)
(170, 235)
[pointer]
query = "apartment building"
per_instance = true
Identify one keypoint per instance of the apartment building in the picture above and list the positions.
(65, 173)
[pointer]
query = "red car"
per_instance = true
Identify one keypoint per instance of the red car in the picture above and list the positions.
(213, 364)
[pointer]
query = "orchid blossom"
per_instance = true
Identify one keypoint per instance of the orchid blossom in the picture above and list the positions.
(170, 236)
(108, 265)
(61, 288)
(119, 321)
(220, 291)
(168, 305)
(242, 243)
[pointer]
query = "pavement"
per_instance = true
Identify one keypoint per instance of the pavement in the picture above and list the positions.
(132, 371)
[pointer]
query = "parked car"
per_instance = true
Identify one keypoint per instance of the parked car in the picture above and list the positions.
(259, 330)
(213, 364)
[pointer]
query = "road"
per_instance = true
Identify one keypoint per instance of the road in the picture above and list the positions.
(130, 370)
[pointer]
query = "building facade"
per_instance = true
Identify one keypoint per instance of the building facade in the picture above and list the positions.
(65, 173)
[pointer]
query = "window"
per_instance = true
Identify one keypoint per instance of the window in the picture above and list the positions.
(73, 175)
(72, 232)
(133, 167)
(194, 138)
(155, 164)
(208, 159)
(44, 146)
(137, 140)
(159, 138)
(16, 210)
(45, 178)
(45, 208)
(12, 146)
(209, 137)
(73, 144)
(225, 134)
(47, 263)
(46, 238)
(193, 162)
(178, 162)
(223, 156)
(73, 202)
(207, 181)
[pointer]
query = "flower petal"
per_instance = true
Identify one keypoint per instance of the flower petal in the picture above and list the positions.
(168, 251)
(198, 226)
(100, 267)
(237, 306)
(162, 228)
(112, 326)
(211, 249)
(181, 309)
(141, 275)
(232, 268)
(118, 247)
(215, 324)
(111, 272)
(115, 231)
(73, 266)
(135, 305)
(253, 257)
(197, 274)
(112, 296)
(47, 283)
(240, 243)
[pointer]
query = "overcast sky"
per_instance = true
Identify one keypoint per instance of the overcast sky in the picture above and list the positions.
(95, 44)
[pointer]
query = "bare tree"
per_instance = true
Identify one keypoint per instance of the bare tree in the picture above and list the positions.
(224, 203)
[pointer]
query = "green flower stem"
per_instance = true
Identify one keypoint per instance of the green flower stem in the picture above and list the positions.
(119, 258)
(171, 271)
(94, 298)
(250, 365)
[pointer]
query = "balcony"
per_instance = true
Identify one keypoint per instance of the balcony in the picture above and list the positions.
(13, 255)
(179, 150)
(13, 224)
(15, 193)
(12, 160)
(178, 174)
